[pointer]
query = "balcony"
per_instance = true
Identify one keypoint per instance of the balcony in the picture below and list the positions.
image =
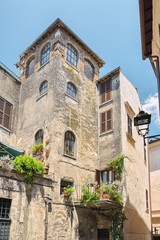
(95, 197)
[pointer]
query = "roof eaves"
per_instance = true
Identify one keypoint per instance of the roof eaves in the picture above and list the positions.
(59, 23)
(12, 74)
(110, 74)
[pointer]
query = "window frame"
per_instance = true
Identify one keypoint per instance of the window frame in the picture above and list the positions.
(43, 90)
(91, 66)
(66, 183)
(5, 221)
(4, 114)
(106, 122)
(72, 55)
(30, 68)
(130, 125)
(71, 91)
(39, 136)
(106, 91)
(69, 144)
(147, 200)
(45, 54)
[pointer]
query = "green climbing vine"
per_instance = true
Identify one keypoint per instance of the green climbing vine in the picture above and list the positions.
(117, 164)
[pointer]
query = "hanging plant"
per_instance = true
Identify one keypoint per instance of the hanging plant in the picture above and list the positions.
(29, 166)
(117, 164)
(37, 148)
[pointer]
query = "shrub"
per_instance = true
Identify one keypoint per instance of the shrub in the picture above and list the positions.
(89, 197)
(29, 166)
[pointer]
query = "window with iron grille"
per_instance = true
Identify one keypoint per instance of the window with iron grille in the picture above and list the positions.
(72, 55)
(5, 113)
(45, 54)
(106, 121)
(43, 88)
(129, 125)
(69, 143)
(65, 183)
(71, 90)
(88, 69)
(105, 91)
(30, 67)
(39, 136)
(5, 205)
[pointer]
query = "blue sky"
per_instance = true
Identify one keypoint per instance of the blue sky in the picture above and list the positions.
(109, 27)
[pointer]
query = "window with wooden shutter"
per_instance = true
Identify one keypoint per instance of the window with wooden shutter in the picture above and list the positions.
(106, 121)
(105, 90)
(5, 113)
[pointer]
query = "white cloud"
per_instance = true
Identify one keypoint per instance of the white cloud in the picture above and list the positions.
(150, 106)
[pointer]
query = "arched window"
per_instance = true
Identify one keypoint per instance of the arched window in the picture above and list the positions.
(72, 55)
(43, 87)
(39, 136)
(30, 67)
(45, 54)
(88, 69)
(69, 143)
(71, 90)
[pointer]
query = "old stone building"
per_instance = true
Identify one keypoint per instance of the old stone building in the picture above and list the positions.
(82, 123)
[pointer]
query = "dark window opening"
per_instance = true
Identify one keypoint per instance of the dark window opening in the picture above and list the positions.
(64, 184)
(39, 136)
(103, 234)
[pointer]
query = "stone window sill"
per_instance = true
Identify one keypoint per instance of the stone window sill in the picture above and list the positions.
(43, 65)
(106, 133)
(5, 129)
(72, 157)
(41, 96)
(72, 66)
(105, 103)
(74, 99)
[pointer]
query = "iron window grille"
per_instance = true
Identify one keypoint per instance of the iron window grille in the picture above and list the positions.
(45, 54)
(5, 205)
(72, 55)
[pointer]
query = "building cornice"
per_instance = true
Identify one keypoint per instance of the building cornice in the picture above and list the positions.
(55, 25)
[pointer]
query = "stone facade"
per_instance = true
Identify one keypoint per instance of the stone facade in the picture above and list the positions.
(68, 104)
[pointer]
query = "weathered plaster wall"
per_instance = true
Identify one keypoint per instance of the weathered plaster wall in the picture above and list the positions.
(110, 142)
(136, 177)
(9, 90)
(154, 153)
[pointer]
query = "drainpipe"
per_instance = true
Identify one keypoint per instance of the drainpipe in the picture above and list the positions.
(98, 126)
(47, 201)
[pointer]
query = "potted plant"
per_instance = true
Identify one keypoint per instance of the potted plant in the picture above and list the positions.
(68, 191)
(37, 148)
(89, 197)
